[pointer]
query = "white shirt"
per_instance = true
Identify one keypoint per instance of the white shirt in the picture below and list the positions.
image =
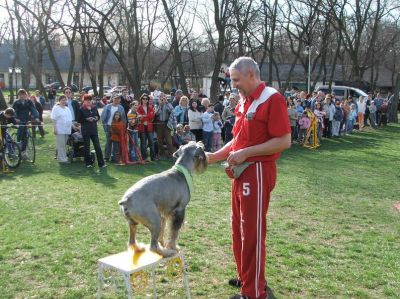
(361, 106)
(112, 112)
(195, 119)
(207, 122)
(62, 119)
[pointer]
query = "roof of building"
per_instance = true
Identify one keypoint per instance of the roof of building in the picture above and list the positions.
(62, 56)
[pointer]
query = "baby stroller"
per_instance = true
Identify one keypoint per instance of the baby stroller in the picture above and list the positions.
(75, 147)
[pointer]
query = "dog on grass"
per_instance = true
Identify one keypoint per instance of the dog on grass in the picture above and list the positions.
(161, 199)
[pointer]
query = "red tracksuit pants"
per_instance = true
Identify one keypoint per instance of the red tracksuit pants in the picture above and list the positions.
(250, 201)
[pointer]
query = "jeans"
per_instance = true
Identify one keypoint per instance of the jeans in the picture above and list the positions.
(216, 141)
(51, 103)
(97, 148)
(21, 135)
(335, 128)
(293, 133)
(207, 140)
(349, 125)
(133, 145)
(146, 138)
(107, 149)
(115, 152)
(372, 120)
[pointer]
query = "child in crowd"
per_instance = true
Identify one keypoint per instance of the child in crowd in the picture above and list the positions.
(299, 107)
(208, 127)
(319, 114)
(351, 118)
(337, 119)
(304, 124)
(117, 129)
(217, 129)
(187, 135)
(133, 131)
(372, 114)
(178, 138)
(293, 116)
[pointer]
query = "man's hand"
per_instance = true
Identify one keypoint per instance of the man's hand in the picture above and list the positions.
(237, 157)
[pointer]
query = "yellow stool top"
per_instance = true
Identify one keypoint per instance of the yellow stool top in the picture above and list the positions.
(130, 261)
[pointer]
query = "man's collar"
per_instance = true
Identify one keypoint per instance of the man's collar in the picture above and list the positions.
(256, 93)
(188, 177)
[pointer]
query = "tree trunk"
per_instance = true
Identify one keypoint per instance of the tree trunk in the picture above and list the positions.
(3, 104)
(393, 113)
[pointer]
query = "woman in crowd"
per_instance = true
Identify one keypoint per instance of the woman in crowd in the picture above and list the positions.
(228, 117)
(361, 111)
(37, 125)
(195, 124)
(319, 114)
(146, 113)
(88, 116)
(62, 120)
(181, 111)
(133, 132)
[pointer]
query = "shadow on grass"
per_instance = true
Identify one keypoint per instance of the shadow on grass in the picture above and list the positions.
(270, 293)
(25, 169)
(106, 176)
(367, 139)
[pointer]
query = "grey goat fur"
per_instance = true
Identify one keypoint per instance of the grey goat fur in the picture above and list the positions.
(162, 198)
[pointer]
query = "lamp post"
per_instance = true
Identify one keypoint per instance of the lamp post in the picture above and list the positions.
(16, 71)
(308, 52)
(10, 87)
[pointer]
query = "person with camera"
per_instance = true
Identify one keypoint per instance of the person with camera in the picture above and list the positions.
(163, 115)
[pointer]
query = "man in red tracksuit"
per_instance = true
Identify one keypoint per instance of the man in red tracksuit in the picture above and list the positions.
(261, 132)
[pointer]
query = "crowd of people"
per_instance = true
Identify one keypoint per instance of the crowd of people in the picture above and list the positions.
(334, 117)
(153, 126)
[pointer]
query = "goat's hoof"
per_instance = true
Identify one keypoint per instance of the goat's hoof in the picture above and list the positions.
(168, 252)
(136, 248)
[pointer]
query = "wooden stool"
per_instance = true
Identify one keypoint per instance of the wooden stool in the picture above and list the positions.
(130, 264)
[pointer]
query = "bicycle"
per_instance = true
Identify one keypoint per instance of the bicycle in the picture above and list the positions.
(30, 150)
(10, 151)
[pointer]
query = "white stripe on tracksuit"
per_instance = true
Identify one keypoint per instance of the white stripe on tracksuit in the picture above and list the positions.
(259, 224)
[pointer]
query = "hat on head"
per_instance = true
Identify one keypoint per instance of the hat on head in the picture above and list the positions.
(116, 96)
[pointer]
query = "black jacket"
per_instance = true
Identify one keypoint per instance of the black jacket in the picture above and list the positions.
(88, 125)
(25, 110)
(75, 107)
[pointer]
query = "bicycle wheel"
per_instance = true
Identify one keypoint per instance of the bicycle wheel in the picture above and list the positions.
(30, 151)
(12, 154)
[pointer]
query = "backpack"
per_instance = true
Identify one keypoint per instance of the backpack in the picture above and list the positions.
(338, 116)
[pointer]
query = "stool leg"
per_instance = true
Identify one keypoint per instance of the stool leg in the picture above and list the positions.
(153, 276)
(100, 282)
(185, 279)
(128, 285)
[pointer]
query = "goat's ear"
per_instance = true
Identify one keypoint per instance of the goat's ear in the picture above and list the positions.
(199, 153)
(178, 152)
(200, 144)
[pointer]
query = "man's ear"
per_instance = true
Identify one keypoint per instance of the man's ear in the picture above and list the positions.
(178, 152)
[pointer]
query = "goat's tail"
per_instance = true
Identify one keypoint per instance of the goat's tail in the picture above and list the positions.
(123, 205)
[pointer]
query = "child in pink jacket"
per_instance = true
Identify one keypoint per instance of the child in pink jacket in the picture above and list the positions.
(304, 124)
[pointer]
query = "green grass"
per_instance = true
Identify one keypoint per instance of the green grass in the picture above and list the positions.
(332, 228)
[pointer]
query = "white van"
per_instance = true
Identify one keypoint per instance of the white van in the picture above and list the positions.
(342, 92)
